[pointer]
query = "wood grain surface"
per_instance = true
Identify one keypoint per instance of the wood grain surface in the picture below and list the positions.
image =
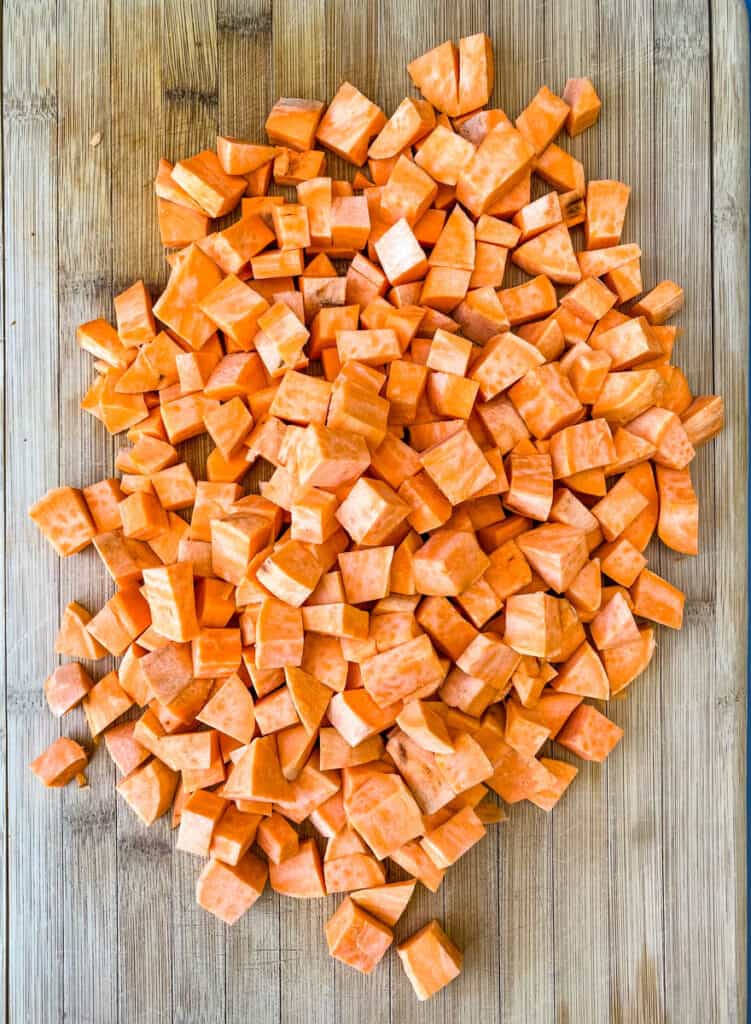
(627, 903)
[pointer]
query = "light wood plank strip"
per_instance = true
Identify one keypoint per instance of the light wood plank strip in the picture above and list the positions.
(189, 105)
(35, 875)
(684, 252)
(145, 894)
(730, 237)
(84, 292)
(635, 880)
(244, 42)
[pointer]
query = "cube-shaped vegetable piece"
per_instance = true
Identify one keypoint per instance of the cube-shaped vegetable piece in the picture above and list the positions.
(201, 813)
(589, 734)
(149, 790)
(293, 122)
(62, 761)
(205, 181)
(430, 960)
(67, 685)
(63, 517)
(227, 891)
(349, 124)
(356, 937)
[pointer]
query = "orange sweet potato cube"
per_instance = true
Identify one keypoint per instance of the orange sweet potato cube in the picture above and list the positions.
(356, 937)
(348, 125)
(200, 815)
(63, 517)
(430, 960)
(589, 734)
(205, 181)
(61, 762)
(234, 308)
(149, 790)
(142, 515)
(66, 687)
(371, 512)
(293, 122)
(227, 891)
(457, 466)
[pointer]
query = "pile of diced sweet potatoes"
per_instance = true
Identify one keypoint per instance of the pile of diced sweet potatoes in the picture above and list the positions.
(445, 571)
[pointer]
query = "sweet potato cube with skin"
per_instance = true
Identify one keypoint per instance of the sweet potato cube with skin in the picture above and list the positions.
(199, 817)
(542, 119)
(426, 727)
(60, 763)
(457, 466)
(301, 875)
(584, 104)
(349, 124)
(589, 734)
(499, 162)
(279, 635)
(448, 563)
(203, 178)
(356, 938)
(63, 517)
(149, 790)
(227, 891)
(444, 154)
(400, 254)
(66, 687)
(614, 624)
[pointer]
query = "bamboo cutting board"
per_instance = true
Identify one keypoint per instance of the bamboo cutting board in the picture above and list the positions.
(627, 903)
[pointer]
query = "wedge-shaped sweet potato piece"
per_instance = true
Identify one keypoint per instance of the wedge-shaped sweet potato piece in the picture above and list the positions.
(60, 763)
(149, 790)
